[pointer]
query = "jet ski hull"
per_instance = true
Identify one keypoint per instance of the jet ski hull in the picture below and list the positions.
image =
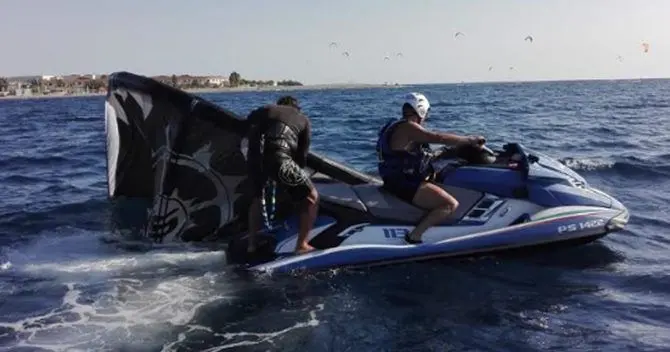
(511, 224)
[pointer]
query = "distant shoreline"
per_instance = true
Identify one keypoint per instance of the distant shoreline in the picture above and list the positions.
(220, 90)
(342, 86)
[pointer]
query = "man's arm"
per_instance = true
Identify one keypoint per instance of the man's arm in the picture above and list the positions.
(417, 133)
(256, 121)
(304, 141)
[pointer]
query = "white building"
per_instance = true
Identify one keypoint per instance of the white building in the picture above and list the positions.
(217, 80)
(48, 78)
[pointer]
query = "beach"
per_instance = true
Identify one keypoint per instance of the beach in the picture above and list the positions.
(223, 90)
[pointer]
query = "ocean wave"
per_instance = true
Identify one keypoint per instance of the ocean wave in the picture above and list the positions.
(636, 106)
(627, 166)
(24, 221)
(15, 162)
(17, 180)
(481, 104)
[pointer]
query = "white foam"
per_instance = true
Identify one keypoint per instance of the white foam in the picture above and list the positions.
(118, 299)
(100, 309)
(588, 164)
(115, 316)
(85, 257)
(249, 338)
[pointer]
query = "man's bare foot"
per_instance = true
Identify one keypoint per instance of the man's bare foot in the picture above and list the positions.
(410, 239)
(304, 248)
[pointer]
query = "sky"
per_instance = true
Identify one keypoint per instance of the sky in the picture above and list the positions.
(289, 39)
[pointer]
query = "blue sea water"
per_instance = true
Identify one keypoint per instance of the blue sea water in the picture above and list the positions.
(70, 281)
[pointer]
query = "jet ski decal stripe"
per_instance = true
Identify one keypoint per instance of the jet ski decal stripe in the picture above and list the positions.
(548, 217)
(429, 248)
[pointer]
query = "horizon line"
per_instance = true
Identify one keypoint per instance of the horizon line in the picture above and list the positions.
(541, 80)
(389, 83)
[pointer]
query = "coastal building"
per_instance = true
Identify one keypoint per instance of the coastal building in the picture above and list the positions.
(217, 81)
(15, 85)
(49, 78)
(188, 81)
(23, 92)
(55, 84)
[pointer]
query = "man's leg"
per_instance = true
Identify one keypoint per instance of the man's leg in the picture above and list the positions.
(254, 223)
(439, 203)
(258, 181)
(300, 188)
(307, 218)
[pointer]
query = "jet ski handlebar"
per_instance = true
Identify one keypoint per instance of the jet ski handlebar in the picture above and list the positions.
(488, 151)
(465, 151)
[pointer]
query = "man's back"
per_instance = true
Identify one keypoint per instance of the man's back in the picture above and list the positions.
(285, 130)
(287, 115)
(400, 138)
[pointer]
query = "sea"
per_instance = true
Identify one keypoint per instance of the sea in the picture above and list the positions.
(71, 281)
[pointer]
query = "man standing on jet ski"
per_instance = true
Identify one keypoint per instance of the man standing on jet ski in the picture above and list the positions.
(405, 163)
(279, 140)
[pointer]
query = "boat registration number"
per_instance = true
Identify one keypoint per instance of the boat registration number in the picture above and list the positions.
(581, 225)
(395, 232)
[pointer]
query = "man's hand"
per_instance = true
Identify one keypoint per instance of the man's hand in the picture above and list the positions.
(477, 141)
(474, 141)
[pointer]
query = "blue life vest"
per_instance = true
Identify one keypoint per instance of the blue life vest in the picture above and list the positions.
(415, 164)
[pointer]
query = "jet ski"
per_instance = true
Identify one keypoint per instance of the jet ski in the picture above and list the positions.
(186, 157)
(508, 199)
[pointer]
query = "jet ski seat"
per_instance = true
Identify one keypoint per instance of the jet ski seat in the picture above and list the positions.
(318, 177)
(384, 205)
(339, 193)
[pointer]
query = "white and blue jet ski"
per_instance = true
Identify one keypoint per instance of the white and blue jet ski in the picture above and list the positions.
(187, 156)
(519, 199)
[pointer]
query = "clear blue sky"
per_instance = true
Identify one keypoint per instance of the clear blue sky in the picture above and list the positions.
(280, 39)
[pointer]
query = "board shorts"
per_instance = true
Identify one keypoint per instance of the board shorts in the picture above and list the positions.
(403, 187)
(287, 174)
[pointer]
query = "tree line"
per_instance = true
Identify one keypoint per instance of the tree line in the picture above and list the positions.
(40, 84)
(234, 80)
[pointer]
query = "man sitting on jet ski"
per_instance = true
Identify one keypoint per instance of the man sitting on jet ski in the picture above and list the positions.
(405, 163)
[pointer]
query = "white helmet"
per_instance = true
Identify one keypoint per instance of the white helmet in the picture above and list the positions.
(419, 103)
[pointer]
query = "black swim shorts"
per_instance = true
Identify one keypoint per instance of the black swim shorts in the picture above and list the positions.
(290, 177)
(402, 187)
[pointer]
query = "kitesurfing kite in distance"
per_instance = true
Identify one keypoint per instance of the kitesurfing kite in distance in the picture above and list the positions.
(490, 68)
(386, 58)
(645, 47)
(529, 38)
(346, 53)
(619, 58)
(399, 55)
(333, 45)
(457, 34)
